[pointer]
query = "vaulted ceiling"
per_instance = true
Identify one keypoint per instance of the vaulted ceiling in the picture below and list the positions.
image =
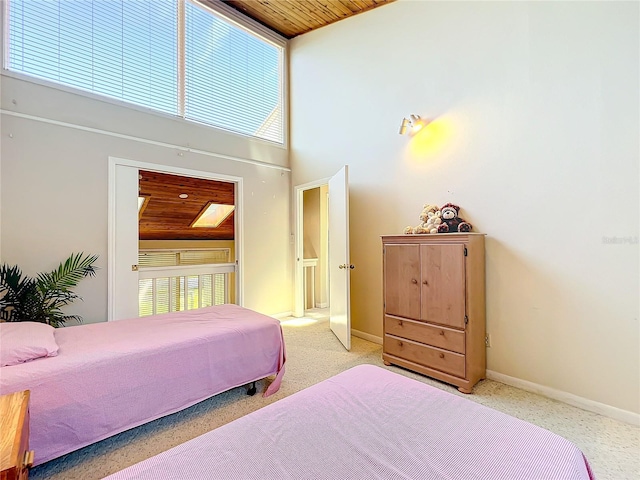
(167, 216)
(291, 18)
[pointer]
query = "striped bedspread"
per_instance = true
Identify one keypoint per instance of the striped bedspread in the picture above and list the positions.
(370, 423)
(112, 376)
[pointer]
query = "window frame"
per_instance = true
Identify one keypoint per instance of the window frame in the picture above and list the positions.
(217, 8)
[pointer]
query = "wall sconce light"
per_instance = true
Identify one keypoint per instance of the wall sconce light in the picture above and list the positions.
(412, 124)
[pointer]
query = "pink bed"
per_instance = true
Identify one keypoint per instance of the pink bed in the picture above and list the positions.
(368, 422)
(112, 376)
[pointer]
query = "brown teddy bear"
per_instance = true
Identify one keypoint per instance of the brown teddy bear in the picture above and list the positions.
(451, 222)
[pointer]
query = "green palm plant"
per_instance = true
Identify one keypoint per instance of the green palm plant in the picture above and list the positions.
(41, 299)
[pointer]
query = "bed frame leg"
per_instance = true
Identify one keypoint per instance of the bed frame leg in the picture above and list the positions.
(252, 389)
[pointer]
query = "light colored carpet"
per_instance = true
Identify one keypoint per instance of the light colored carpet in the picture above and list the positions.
(314, 354)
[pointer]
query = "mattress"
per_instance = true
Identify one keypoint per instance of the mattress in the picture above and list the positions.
(112, 376)
(370, 423)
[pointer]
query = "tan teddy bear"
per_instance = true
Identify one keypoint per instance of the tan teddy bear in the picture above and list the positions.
(430, 218)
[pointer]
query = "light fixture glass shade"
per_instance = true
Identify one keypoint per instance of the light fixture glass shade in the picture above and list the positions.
(413, 124)
(212, 215)
(403, 127)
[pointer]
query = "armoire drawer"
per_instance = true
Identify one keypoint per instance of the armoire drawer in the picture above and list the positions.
(441, 337)
(443, 360)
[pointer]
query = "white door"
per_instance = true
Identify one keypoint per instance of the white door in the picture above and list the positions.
(339, 261)
(123, 239)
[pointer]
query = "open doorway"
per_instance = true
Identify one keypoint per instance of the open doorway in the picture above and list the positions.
(124, 240)
(337, 264)
(315, 249)
(312, 244)
(186, 230)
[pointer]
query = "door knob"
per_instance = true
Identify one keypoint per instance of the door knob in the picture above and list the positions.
(134, 268)
(352, 267)
(344, 265)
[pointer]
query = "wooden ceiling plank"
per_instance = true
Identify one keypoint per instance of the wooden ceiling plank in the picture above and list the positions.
(338, 5)
(281, 14)
(270, 15)
(351, 5)
(319, 8)
(294, 17)
(314, 10)
(314, 20)
(303, 21)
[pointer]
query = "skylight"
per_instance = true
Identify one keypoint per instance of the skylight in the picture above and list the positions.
(143, 200)
(213, 215)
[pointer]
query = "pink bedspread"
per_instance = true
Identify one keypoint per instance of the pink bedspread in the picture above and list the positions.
(370, 423)
(112, 376)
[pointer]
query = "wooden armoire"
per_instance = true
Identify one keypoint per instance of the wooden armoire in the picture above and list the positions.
(434, 306)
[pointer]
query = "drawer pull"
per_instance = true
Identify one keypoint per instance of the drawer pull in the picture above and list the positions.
(414, 281)
(442, 355)
(399, 344)
(425, 282)
(28, 458)
(441, 332)
(399, 323)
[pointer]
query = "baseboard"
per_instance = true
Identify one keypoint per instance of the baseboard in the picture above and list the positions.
(282, 315)
(322, 305)
(569, 398)
(366, 336)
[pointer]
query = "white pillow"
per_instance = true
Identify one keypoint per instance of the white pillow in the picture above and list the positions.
(24, 341)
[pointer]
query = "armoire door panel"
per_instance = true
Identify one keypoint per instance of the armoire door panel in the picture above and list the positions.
(402, 285)
(443, 284)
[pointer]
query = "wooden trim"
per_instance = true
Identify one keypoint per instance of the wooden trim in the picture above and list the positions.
(437, 238)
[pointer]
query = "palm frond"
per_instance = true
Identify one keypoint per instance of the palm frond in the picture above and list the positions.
(69, 273)
(41, 300)
(18, 294)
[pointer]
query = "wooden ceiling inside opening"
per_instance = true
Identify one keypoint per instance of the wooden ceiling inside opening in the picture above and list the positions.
(291, 18)
(166, 216)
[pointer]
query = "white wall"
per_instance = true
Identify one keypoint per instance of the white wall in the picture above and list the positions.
(535, 136)
(54, 186)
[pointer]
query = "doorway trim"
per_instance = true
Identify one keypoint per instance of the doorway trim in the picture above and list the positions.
(299, 250)
(186, 172)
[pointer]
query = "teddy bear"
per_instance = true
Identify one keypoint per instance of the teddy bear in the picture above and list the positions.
(451, 222)
(427, 212)
(417, 229)
(433, 222)
(429, 221)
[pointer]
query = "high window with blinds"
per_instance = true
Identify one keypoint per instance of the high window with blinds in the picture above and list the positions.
(211, 71)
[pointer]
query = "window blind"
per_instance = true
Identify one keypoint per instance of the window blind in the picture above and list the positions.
(232, 78)
(128, 50)
(167, 258)
(125, 49)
